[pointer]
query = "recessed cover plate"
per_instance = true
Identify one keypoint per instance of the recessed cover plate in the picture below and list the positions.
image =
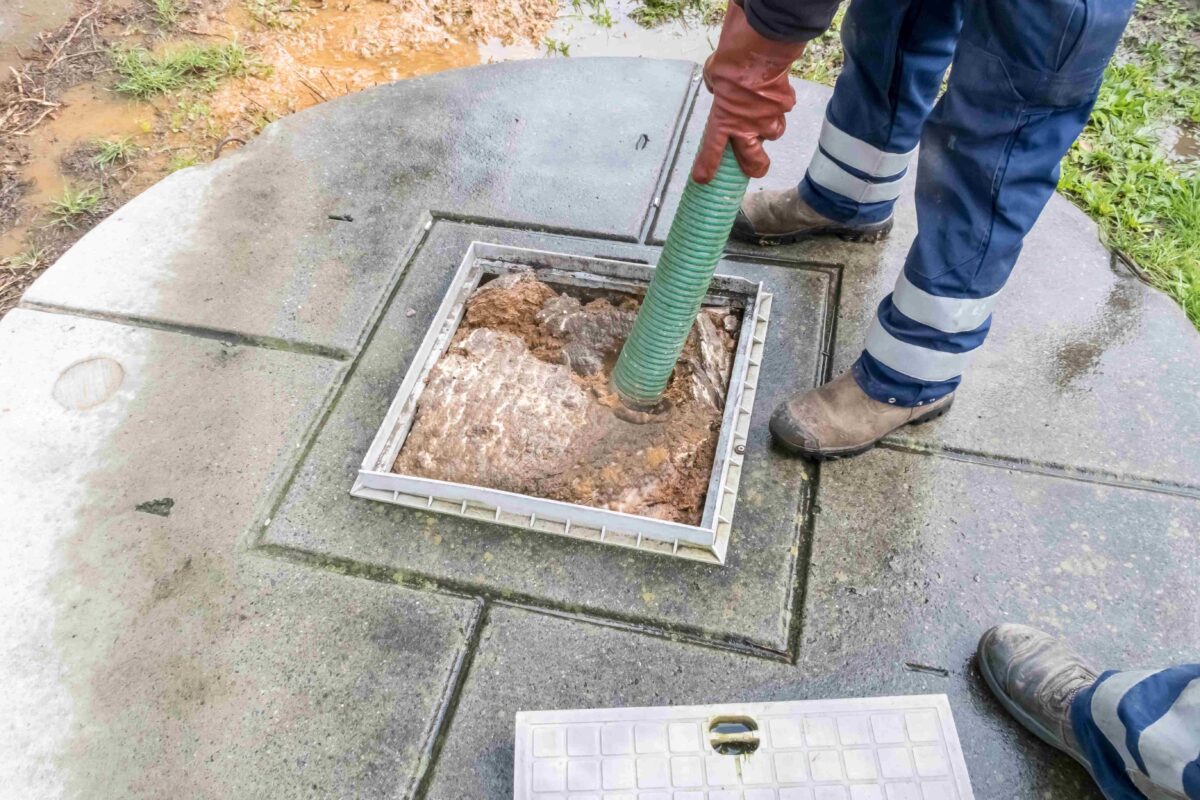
(879, 748)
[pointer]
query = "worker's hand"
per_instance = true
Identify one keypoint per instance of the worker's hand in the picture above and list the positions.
(748, 76)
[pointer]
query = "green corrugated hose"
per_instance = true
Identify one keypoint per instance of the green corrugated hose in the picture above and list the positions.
(685, 269)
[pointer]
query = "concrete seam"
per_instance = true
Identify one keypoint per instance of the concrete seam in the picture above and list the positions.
(273, 501)
(435, 734)
(807, 510)
(1045, 468)
(803, 566)
(405, 257)
(279, 492)
(414, 580)
(200, 332)
(683, 118)
(738, 647)
(490, 222)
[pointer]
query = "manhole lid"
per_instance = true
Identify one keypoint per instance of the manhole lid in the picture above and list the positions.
(880, 748)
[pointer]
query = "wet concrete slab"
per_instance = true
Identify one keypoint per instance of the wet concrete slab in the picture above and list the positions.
(749, 601)
(247, 244)
(165, 643)
(1086, 368)
(893, 582)
(21, 21)
(147, 652)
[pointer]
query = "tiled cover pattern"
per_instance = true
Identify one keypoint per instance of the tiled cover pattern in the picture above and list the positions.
(898, 748)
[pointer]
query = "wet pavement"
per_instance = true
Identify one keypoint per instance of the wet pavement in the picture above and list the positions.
(230, 340)
(22, 20)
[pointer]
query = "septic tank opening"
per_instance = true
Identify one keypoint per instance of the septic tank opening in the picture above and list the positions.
(520, 402)
(506, 414)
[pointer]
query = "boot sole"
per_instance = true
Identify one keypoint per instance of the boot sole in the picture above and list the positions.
(868, 234)
(1020, 715)
(834, 455)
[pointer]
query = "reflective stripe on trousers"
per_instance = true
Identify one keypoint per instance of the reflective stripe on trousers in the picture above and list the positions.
(1140, 732)
(1024, 80)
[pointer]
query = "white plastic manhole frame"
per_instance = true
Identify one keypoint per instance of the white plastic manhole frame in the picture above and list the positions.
(894, 747)
(707, 542)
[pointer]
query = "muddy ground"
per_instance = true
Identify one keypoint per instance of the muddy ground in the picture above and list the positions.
(521, 402)
(74, 147)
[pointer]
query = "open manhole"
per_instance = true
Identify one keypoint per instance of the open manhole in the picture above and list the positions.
(505, 413)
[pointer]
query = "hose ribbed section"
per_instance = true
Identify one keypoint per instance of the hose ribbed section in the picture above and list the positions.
(685, 269)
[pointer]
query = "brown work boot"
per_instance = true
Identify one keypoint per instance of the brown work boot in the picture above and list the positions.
(839, 419)
(1035, 677)
(782, 217)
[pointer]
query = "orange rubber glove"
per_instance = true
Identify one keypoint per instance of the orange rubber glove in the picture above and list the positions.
(748, 76)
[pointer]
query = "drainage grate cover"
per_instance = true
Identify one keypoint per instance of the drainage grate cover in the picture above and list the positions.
(880, 748)
(707, 541)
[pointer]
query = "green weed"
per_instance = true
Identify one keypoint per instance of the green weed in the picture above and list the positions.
(144, 74)
(113, 151)
(651, 13)
(181, 159)
(167, 12)
(30, 258)
(823, 57)
(286, 14)
(554, 47)
(74, 204)
(186, 112)
(595, 10)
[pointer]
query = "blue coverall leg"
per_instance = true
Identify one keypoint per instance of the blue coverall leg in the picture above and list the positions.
(1024, 79)
(1140, 732)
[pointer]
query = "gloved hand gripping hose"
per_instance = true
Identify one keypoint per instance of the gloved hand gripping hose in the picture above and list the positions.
(694, 245)
(748, 76)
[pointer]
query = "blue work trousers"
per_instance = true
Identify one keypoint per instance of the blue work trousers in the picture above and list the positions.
(1025, 76)
(1140, 732)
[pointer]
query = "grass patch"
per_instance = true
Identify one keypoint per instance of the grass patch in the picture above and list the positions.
(167, 12)
(187, 112)
(823, 57)
(75, 204)
(595, 10)
(113, 151)
(1147, 205)
(651, 13)
(32, 257)
(554, 47)
(144, 74)
(285, 14)
(182, 159)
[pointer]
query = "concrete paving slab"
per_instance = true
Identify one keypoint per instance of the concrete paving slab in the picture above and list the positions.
(748, 601)
(1086, 368)
(247, 245)
(913, 558)
(145, 652)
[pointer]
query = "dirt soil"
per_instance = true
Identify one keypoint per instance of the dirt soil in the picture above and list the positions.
(520, 402)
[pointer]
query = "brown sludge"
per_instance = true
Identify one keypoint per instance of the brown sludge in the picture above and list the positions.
(520, 402)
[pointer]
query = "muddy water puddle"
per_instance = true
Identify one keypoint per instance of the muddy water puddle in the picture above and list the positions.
(89, 114)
